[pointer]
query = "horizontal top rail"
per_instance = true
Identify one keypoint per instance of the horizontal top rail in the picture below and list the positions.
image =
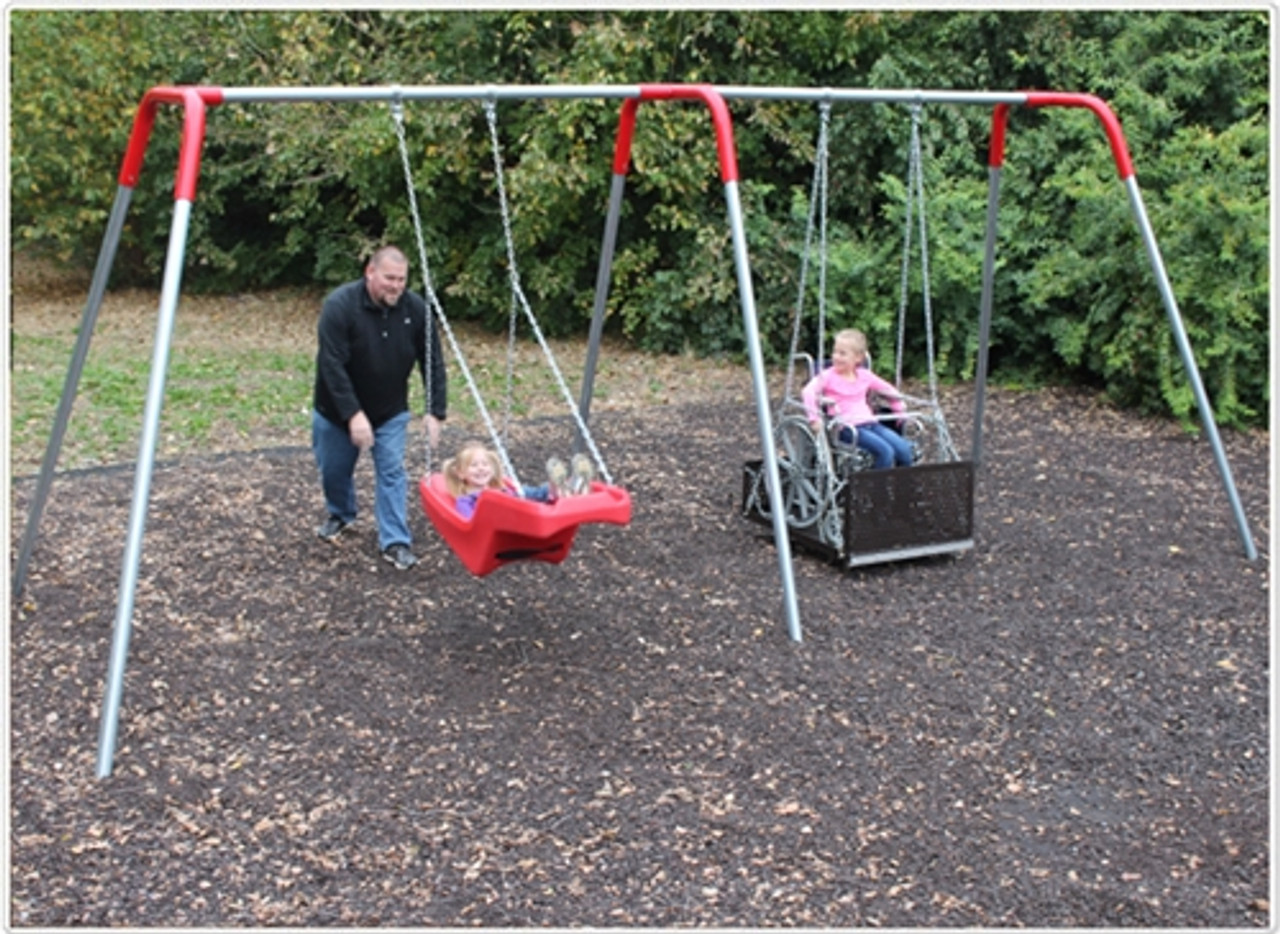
(870, 95)
(613, 91)
(428, 92)
(197, 97)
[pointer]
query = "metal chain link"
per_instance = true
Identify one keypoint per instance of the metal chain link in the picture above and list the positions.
(817, 192)
(434, 309)
(908, 216)
(924, 264)
(916, 210)
(825, 144)
(517, 292)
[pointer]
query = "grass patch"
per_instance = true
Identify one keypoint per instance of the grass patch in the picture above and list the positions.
(241, 371)
(213, 400)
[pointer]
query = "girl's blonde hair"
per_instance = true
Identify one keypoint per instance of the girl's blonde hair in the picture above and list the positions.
(455, 468)
(854, 338)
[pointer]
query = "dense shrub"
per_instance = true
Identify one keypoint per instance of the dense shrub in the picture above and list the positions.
(299, 193)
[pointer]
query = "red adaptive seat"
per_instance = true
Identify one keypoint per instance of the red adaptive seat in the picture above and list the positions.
(506, 528)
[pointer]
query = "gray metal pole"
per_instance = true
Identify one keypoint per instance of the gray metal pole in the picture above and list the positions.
(97, 289)
(1189, 363)
(984, 313)
(603, 276)
(429, 92)
(142, 486)
(781, 535)
(435, 92)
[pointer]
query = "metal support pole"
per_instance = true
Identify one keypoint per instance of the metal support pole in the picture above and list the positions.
(142, 487)
(984, 313)
(603, 276)
(1189, 363)
(781, 534)
(97, 289)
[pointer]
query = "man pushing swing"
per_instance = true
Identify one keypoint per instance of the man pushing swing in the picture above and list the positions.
(371, 333)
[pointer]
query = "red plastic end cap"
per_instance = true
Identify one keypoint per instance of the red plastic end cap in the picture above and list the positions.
(626, 132)
(1119, 148)
(720, 118)
(193, 101)
(999, 124)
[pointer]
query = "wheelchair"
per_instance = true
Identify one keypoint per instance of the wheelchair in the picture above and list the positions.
(833, 500)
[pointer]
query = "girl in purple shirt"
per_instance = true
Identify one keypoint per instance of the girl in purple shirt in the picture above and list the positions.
(475, 468)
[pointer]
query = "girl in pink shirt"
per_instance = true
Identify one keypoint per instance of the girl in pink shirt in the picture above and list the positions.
(843, 390)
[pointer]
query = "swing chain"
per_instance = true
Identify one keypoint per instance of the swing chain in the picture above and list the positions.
(915, 201)
(397, 115)
(822, 234)
(817, 194)
(435, 311)
(518, 296)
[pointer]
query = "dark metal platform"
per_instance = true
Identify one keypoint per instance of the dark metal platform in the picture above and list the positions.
(885, 515)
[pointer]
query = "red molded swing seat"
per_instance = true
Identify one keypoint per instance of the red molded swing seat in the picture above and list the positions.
(506, 528)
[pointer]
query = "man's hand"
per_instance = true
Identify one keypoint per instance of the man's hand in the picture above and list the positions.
(361, 431)
(432, 425)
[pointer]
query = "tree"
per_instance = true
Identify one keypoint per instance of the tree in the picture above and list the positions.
(300, 193)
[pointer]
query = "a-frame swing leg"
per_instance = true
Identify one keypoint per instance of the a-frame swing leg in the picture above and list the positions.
(603, 276)
(97, 289)
(142, 487)
(1189, 364)
(729, 174)
(984, 313)
(781, 532)
(1129, 179)
(146, 452)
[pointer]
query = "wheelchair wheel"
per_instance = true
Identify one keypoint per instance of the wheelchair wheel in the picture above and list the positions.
(805, 473)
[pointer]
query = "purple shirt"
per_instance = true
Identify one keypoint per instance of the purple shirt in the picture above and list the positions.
(466, 504)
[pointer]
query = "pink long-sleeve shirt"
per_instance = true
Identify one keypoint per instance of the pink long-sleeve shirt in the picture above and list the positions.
(848, 396)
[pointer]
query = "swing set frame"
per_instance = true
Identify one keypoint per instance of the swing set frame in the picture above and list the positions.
(195, 102)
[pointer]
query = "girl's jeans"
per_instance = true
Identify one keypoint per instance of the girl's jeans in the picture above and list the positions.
(336, 457)
(884, 445)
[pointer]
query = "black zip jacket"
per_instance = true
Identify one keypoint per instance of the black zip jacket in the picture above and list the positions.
(367, 352)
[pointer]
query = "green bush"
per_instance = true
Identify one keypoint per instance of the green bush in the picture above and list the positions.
(300, 193)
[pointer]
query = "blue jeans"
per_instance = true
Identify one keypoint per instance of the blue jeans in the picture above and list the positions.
(538, 494)
(336, 458)
(884, 445)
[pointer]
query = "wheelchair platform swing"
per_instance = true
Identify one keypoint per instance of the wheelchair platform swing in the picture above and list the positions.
(833, 500)
(872, 516)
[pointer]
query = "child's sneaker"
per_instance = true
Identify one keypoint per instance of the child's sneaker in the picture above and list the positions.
(583, 473)
(557, 477)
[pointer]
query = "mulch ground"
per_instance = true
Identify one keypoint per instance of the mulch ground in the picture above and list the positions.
(1066, 726)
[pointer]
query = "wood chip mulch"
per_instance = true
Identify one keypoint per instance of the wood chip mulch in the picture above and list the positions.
(1066, 726)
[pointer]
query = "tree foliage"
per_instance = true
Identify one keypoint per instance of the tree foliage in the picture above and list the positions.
(299, 193)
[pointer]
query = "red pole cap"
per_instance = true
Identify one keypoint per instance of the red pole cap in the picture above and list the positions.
(626, 132)
(194, 100)
(1119, 149)
(999, 124)
(720, 119)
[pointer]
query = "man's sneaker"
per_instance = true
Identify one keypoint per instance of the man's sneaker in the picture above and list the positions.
(557, 477)
(332, 528)
(583, 473)
(400, 556)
